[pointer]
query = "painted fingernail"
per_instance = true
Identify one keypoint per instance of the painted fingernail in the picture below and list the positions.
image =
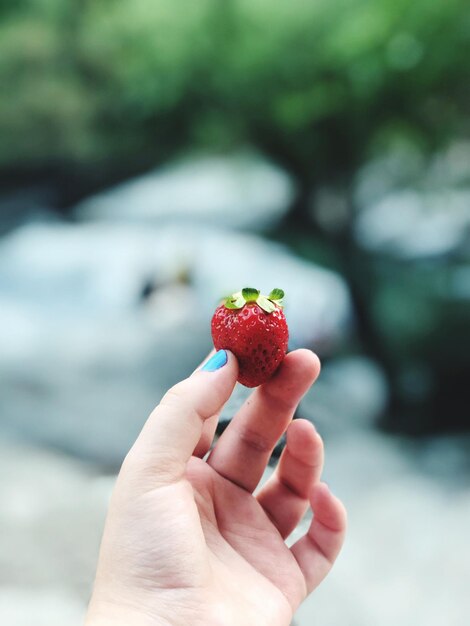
(217, 360)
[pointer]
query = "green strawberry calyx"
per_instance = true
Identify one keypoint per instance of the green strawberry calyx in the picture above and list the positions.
(248, 294)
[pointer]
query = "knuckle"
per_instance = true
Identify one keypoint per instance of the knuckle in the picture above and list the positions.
(177, 399)
(255, 440)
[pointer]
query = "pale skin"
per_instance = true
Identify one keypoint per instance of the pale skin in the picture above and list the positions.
(186, 542)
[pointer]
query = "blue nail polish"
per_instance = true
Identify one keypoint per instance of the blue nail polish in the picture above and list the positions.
(217, 360)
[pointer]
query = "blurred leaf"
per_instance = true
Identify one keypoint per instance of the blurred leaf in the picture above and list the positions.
(315, 85)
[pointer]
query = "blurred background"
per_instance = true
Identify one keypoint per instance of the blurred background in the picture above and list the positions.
(155, 156)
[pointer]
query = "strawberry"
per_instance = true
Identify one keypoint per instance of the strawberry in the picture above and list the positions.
(254, 328)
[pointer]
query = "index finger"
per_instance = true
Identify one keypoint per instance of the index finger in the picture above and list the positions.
(210, 425)
(171, 433)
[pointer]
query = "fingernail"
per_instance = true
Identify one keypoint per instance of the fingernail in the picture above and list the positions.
(217, 360)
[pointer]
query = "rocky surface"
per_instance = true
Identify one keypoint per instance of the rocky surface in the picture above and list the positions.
(412, 230)
(412, 208)
(98, 319)
(99, 354)
(236, 191)
(406, 559)
(414, 225)
(351, 392)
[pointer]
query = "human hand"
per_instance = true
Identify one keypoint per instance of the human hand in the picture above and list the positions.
(186, 542)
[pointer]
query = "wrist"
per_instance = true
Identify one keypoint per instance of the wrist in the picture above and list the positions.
(110, 614)
(169, 610)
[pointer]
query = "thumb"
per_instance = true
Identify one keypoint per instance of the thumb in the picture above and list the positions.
(174, 427)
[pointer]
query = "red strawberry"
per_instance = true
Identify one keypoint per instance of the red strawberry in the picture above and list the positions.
(254, 328)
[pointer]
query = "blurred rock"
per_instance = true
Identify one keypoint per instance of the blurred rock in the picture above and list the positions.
(29, 203)
(43, 606)
(351, 392)
(451, 168)
(405, 527)
(317, 304)
(412, 224)
(399, 168)
(101, 346)
(239, 191)
(413, 209)
(413, 228)
(444, 457)
(51, 521)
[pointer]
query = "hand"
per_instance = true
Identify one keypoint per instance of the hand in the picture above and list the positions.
(186, 542)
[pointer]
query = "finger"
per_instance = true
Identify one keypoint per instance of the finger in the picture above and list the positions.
(316, 551)
(209, 426)
(207, 436)
(285, 497)
(174, 428)
(243, 451)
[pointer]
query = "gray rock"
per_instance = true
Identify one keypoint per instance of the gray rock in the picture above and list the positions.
(238, 191)
(84, 358)
(404, 526)
(317, 305)
(412, 225)
(51, 519)
(399, 168)
(410, 208)
(42, 606)
(351, 392)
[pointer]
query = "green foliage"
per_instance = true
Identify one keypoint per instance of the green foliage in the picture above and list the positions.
(317, 85)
